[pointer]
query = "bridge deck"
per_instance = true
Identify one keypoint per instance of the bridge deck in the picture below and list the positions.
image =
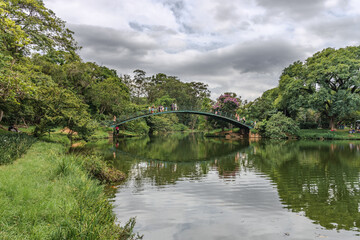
(220, 116)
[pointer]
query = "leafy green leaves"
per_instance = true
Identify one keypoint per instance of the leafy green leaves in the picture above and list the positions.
(30, 25)
(336, 74)
(280, 126)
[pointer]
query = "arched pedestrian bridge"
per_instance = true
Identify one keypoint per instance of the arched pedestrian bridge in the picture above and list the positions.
(229, 118)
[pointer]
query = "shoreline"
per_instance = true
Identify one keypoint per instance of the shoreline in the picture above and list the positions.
(304, 134)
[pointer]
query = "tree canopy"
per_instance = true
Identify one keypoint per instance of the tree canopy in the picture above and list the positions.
(323, 88)
(39, 62)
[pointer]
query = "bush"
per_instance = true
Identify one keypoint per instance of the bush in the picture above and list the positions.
(161, 123)
(99, 170)
(139, 127)
(260, 128)
(13, 145)
(180, 127)
(280, 126)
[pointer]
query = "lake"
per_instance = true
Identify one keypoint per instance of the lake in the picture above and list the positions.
(187, 186)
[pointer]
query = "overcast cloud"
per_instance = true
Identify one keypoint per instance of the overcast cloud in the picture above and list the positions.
(232, 45)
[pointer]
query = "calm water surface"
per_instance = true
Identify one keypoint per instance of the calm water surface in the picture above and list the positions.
(189, 187)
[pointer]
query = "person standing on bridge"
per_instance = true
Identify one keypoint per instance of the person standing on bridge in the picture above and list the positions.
(175, 107)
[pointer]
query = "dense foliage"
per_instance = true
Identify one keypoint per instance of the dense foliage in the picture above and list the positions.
(44, 82)
(280, 126)
(322, 91)
(13, 146)
(227, 103)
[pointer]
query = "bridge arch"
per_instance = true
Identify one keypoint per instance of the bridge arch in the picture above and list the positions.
(244, 129)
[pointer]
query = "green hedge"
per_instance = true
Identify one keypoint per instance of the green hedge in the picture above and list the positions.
(13, 145)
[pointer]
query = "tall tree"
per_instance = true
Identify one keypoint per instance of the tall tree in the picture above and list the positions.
(335, 77)
(293, 90)
(227, 104)
(55, 106)
(41, 30)
(26, 26)
(261, 108)
(138, 85)
(110, 96)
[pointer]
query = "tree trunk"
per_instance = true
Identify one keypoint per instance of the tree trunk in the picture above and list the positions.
(1, 115)
(332, 123)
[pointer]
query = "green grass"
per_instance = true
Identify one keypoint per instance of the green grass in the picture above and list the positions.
(29, 129)
(2, 131)
(46, 194)
(56, 137)
(102, 133)
(327, 134)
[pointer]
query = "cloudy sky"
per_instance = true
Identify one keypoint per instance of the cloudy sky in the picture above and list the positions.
(232, 45)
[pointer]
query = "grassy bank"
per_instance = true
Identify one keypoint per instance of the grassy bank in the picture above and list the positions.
(313, 134)
(47, 194)
(327, 134)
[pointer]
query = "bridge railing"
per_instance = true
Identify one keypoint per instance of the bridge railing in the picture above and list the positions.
(156, 111)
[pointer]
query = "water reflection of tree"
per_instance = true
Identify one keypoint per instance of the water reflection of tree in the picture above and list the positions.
(178, 147)
(317, 179)
(320, 180)
(219, 154)
(228, 166)
(163, 173)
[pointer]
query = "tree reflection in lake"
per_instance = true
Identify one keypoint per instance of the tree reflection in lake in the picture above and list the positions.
(319, 180)
(179, 147)
(165, 160)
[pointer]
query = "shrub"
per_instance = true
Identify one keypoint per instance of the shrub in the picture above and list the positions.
(99, 170)
(260, 128)
(180, 127)
(13, 145)
(280, 126)
(139, 127)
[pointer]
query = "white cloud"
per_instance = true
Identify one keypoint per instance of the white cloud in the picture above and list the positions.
(232, 45)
